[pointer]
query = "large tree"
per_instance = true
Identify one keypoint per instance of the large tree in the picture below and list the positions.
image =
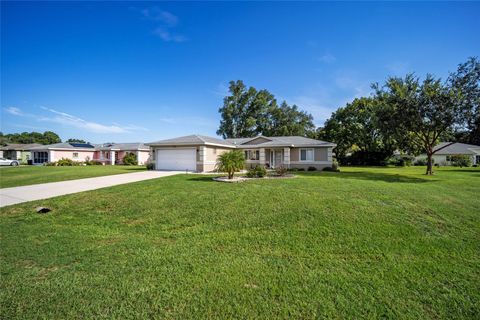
(247, 112)
(417, 113)
(289, 121)
(466, 82)
(355, 130)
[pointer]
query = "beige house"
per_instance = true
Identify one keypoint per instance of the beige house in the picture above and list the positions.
(198, 153)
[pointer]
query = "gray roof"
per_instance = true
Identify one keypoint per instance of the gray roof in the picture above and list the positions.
(286, 141)
(282, 141)
(457, 148)
(20, 146)
(110, 146)
(193, 139)
(130, 146)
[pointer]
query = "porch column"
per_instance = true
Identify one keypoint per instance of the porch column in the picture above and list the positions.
(112, 158)
(286, 157)
(138, 157)
(202, 158)
(329, 154)
(262, 156)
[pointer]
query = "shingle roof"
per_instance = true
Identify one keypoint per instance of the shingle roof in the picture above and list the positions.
(20, 146)
(282, 141)
(193, 139)
(457, 148)
(61, 145)
(122, 146)
(286, 141)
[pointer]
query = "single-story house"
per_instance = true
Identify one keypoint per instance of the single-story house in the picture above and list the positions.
(199, 153)
(443, 156)
(111, 153)
(18, 151)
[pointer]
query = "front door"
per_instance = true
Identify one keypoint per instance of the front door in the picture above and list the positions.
(278, 158)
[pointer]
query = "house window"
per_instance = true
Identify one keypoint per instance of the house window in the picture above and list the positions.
(449, 158)
(40, 157)
(214, 150)
(75, 155)
(306, 154)
(252, 154)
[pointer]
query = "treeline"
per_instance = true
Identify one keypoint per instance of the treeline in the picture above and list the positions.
(48, 137)
(407, 113)
(410, 115)
(247, 112)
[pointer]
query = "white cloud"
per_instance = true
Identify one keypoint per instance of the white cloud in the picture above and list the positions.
(165, 35)
(327, 58)
(71, 120)
(14, 111)
(157, 14)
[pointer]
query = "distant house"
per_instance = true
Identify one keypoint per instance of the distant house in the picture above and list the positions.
(17, 151)
(111, 153)
(443, 157)
(199, 153)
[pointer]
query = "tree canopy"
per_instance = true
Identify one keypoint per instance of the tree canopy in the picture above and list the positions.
(247, 112)
(417, 113)
(355, 130)
(48, 137)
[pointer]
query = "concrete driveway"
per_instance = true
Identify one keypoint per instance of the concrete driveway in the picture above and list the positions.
(9, 196)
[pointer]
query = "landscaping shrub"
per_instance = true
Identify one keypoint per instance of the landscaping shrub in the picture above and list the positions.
(230, 162)
(301, 169)
(65, 162)
(281, 171)
(257, 172)
(50, 164)
(335, 165)
(130, 159)
(421, 162)
(401, 160)
(312, 169)
(460, 160)
(150, 166)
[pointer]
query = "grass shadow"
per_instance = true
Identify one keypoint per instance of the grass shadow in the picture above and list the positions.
(375, 176)
(202, 178)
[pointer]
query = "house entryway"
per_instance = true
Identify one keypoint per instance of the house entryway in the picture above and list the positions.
(276, 157)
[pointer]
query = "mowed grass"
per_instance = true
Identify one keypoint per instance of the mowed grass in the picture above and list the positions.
(26, 175)
(363, 243)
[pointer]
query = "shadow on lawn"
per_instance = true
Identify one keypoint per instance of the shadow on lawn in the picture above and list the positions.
(375, 176)
(202, 178)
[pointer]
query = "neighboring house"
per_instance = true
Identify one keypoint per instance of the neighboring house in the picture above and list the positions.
(443, 157)
(111, 153)
(199, 153)
(20, 152)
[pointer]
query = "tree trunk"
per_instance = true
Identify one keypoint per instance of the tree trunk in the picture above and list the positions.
(429, 165)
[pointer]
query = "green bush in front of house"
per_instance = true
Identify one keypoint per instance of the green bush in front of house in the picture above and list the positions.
(460, 160)
(257, 172)
(130, 159)
(65, 162)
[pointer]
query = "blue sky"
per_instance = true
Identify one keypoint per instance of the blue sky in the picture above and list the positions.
(142, 71)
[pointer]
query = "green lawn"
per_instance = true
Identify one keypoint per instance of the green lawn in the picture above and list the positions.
(25, 175)
(363, 243)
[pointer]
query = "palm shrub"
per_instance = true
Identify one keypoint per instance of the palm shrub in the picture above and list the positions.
(460, 160)
(230, 162)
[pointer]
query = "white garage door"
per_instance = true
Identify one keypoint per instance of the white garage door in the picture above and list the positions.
(177, 159)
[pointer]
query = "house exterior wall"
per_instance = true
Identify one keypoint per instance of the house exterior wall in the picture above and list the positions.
(210, 158)
(322, 158)
(59, 154)
(143, 157)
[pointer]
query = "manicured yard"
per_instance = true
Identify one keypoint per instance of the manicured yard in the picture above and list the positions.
(26, 175)
(363, 243)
